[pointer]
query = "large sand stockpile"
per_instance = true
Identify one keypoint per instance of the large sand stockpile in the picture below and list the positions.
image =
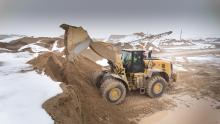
(80, 102)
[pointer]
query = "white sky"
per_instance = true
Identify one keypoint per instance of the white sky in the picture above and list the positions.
(197, 18)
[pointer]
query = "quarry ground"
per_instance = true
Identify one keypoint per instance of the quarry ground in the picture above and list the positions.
(193, 99)
(196, 91)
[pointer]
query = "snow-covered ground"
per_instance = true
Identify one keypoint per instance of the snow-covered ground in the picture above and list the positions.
(14, 62)
(56, 48)
(34, 48)
(214, 59)
(205, 59)
(23, 93)
(130, 38)
(4, 49)
(7, 40)
(163, 43)
(191, 47)
(37, 49)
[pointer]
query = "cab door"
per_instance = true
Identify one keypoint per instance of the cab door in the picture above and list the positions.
(138, 62)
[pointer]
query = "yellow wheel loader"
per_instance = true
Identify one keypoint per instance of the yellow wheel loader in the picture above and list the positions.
(130, 70)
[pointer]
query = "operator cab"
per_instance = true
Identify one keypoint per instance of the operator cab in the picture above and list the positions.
(133, 60)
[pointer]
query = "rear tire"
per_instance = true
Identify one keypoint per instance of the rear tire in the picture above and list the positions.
(156, 86)
(113, 91)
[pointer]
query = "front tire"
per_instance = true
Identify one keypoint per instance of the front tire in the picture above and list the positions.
(113, 91)
(98, 77)
(156, 86)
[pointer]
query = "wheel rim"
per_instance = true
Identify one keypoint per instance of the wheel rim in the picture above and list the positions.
(157, 88)
(114, 94)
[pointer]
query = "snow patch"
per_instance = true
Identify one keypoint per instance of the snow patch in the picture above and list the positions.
(103, 62)
(192, 47)
(4, 49)
(22, 94)
(205, 59)
(130, 38)
(8, 40)
(14, 62)
(35, 48)
(55, 47)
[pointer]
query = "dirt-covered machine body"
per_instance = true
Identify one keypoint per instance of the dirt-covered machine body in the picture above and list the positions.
(130, 70)
(139, 68)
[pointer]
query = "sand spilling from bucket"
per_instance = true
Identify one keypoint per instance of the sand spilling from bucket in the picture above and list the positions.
(80, 102)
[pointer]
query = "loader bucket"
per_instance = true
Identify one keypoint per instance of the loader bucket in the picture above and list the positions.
(76, 39)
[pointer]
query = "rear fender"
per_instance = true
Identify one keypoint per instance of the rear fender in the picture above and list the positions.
(151, 72)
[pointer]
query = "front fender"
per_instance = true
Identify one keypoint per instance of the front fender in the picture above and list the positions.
(115, 76)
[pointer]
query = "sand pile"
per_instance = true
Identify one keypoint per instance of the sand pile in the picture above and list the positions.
(80, 102)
